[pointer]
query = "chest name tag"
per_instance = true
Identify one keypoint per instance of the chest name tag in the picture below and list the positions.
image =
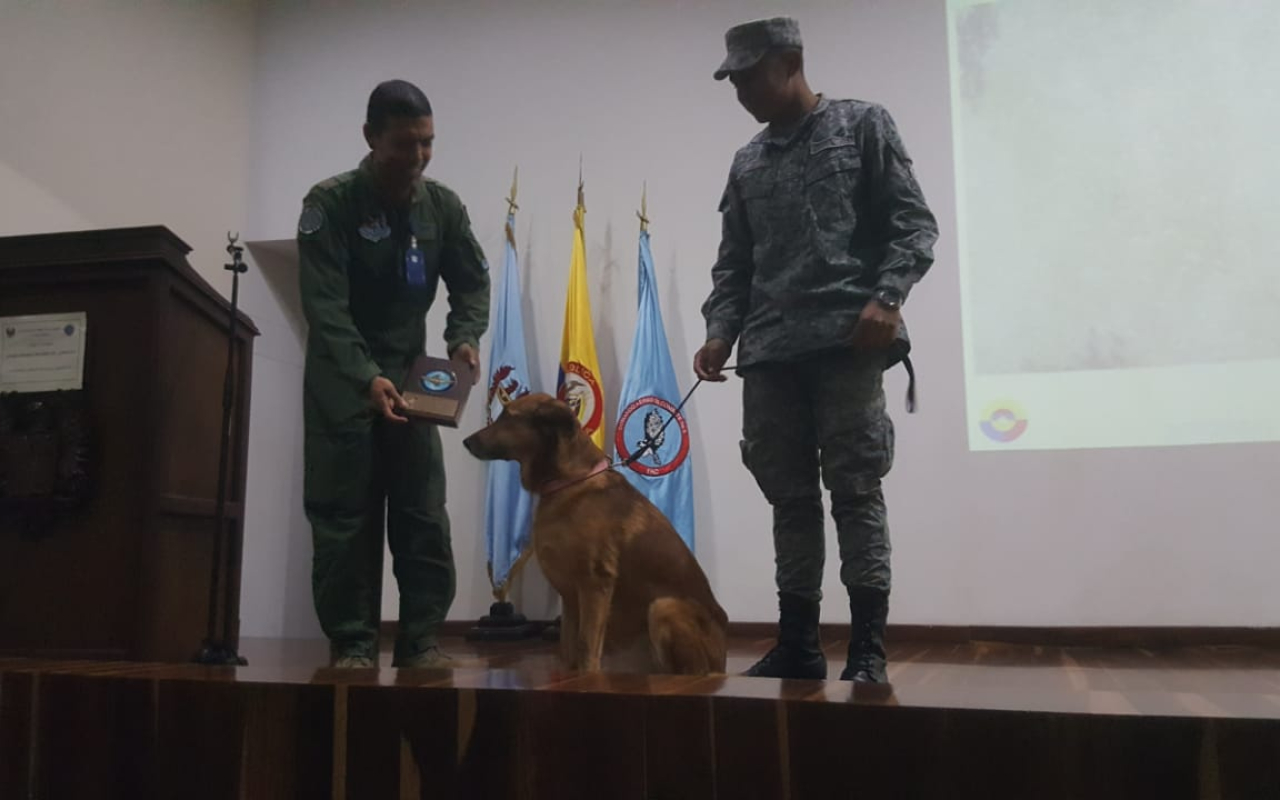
(415, 271)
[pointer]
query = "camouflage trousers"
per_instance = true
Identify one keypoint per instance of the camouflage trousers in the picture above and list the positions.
(814, 422)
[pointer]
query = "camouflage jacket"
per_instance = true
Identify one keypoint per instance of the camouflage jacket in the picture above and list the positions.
(364, 317)
(814, 221)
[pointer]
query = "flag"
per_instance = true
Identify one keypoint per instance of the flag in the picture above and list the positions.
(578, 382)
(508, 506)
(650, 397)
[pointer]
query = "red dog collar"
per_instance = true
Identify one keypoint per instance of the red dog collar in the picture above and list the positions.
(554, 486)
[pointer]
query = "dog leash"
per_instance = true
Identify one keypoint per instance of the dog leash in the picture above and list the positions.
(649, 440)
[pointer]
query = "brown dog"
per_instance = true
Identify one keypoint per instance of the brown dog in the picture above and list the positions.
(628, 582)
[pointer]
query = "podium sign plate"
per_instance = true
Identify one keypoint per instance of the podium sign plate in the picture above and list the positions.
(436, 390)
(42, 352)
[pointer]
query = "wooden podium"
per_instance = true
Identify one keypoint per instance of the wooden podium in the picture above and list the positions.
(126, 574)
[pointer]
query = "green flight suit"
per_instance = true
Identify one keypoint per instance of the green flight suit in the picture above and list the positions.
(367, 319)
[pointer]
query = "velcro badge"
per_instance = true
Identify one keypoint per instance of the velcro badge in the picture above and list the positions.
(312, 220)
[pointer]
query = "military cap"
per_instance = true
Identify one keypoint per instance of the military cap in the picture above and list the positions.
(749, 42)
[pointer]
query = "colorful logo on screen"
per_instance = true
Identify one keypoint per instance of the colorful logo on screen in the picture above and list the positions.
(1003, 422)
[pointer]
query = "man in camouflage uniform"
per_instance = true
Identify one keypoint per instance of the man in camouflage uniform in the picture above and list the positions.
(373, 245)
(825, 231)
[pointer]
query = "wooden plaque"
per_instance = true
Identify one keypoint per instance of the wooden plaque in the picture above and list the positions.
(436, 390)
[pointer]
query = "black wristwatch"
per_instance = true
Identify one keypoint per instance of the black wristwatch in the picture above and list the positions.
(889, 298)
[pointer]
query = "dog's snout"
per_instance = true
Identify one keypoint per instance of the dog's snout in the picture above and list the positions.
(476, 445)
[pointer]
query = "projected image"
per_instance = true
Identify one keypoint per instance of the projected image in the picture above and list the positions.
(1122, 182)
(1118, 179)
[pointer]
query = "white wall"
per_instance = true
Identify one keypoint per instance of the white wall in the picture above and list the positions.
(127, 112)
(276, 572)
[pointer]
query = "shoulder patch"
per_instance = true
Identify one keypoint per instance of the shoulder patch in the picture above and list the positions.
(312, 220)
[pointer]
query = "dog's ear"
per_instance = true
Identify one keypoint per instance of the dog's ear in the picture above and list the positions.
(556, 417)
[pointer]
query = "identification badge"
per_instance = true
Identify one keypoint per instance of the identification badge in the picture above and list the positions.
(415, 270)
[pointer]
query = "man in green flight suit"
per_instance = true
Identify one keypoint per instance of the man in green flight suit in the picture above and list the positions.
(373, 245)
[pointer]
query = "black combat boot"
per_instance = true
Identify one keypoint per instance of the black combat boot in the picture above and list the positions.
(798, 653)
(868, 609)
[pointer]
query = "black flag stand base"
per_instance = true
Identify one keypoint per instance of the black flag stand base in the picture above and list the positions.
(216, 654)
(502, 624)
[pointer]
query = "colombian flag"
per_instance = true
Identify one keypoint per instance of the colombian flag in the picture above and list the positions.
(578, 383)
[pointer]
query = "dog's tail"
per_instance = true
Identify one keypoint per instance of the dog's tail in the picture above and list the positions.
(685, 638)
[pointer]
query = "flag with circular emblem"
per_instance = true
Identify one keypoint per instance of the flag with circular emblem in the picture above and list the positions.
(578, 382)
(651, 434)
(508, 509)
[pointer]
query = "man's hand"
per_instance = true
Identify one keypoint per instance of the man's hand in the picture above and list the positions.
(709, 360)
(467, 355)
(385, 399)
(877, 326)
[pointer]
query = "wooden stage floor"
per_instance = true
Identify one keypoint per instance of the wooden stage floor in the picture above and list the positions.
(959, 720)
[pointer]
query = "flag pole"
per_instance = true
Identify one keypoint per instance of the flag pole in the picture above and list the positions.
(503, 623)
(501, 591)
(643, 213)
(512, 205)
(580, 212)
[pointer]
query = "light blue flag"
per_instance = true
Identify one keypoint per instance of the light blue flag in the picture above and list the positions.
(508, 507)
(650, 396)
